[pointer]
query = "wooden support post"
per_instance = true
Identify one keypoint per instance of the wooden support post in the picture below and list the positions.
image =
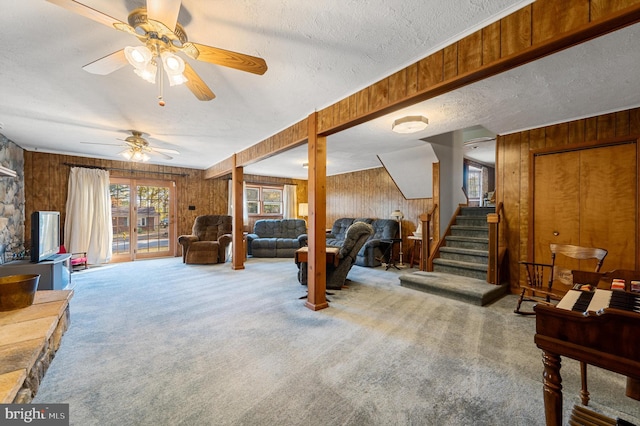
(316, 225)
(425, 218)
(237, 177)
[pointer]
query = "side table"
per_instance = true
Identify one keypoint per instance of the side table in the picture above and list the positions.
(416, 250)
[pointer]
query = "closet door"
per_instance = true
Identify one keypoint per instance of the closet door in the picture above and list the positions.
(608, 203)
(556, 202)
(587, 197)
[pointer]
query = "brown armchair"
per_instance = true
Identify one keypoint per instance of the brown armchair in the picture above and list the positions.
(209, 239)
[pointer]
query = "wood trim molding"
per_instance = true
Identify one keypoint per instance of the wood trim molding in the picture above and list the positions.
(496, 53)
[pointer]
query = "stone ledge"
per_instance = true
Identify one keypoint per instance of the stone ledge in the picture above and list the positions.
(30, 338)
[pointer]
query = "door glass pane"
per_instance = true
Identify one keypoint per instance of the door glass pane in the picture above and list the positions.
(152, 211)
(120, 215)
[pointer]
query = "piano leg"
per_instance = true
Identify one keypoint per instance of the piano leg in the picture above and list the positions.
(584, 393)
(552, 388)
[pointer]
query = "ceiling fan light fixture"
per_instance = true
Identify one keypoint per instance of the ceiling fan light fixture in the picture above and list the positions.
(174, 67)
(410, 124)
(138, 56)
(148, 73)
(135, 154)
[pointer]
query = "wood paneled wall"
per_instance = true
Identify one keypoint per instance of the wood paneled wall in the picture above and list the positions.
(47, 177)
(512, 171)
(539, 29)
(371, 193)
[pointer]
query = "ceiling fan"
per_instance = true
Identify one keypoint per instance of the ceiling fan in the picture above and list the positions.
(156, 26)
(138, 148)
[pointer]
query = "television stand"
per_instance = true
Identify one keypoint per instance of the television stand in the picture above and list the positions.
(55, 274)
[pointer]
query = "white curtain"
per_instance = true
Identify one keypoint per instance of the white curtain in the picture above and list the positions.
(87, 226)
(289, 202)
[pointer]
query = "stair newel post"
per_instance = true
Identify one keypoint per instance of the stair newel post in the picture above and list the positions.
(493, 219)
(425, 218)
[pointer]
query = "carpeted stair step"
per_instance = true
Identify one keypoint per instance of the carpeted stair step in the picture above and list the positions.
(465, 289)
(477, 211)
(470, 231)
(474, 243)
(463, 269)
(465, 255)
(473, 220)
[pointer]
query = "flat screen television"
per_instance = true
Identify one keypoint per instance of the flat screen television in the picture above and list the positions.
(45, 235)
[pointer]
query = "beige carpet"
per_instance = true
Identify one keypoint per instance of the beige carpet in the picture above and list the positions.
(157, 342)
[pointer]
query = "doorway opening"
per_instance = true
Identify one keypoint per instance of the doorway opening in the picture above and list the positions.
(143, 213)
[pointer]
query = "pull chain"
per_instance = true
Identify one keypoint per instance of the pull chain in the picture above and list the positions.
(160, 82)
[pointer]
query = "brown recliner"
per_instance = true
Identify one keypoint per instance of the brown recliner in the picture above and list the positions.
(209, 239)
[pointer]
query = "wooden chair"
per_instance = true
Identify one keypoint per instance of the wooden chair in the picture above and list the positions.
(542, 277)
(557, 274)
(78, 260)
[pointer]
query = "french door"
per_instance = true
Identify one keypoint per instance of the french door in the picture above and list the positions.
(143, 213)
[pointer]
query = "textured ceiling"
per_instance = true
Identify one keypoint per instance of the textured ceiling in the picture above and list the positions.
(317, 54)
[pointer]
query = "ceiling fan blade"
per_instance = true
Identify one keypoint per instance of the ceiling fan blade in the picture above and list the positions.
(196, 85)
(225, 58)
(108, 64)
(155, 151)
(165, 150)
(107, 144)
(165, 11)
(87, 12)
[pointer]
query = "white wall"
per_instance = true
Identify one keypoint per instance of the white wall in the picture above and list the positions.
(449, 150)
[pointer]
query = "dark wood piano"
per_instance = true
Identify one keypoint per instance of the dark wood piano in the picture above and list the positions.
(608, 338)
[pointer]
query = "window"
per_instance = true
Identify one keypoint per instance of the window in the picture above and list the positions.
(474, 183)
(264, 200)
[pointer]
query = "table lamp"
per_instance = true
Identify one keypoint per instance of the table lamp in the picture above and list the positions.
(398, 216)
(303, 209)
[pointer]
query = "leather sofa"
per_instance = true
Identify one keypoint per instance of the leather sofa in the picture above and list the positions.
(277, 237)
(376, 245)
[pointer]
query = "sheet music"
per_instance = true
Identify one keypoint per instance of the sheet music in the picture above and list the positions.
(601, 300)
(568, 300)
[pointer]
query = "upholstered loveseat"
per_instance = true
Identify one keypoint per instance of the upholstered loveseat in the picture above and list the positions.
(373, 250)
(277, 237)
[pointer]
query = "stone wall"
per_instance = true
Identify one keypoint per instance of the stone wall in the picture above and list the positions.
(12, 234)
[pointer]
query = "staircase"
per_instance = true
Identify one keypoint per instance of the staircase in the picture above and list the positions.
(461, 270)
(466, 250)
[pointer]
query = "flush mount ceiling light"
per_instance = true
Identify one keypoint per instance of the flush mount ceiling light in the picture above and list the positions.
(410, 124)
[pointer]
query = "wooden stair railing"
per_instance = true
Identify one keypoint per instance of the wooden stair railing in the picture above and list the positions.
(426, 219)
(442, 240)
(496, 254)
(466, 196)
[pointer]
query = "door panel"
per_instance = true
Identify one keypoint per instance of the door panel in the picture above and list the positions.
(142, 215)
(556, 202)
(608, 203)
(587, 197)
